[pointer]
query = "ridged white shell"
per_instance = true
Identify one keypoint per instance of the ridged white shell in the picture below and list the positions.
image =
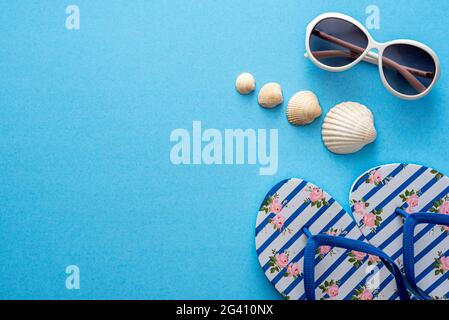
(303, 108)
(348, 127)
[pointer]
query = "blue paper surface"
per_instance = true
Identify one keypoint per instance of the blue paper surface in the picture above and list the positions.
(85, 123)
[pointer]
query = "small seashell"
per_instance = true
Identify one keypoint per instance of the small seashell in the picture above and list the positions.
(270, 95)
(348, 127)
(245, 83)
(303, 108)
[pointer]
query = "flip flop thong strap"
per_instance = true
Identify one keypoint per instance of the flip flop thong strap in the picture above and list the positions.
(408, 242)
(314, 242)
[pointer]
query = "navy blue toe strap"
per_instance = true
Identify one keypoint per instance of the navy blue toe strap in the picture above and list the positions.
(314, 242)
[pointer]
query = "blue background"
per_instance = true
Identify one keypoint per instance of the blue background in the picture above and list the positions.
(85, 120)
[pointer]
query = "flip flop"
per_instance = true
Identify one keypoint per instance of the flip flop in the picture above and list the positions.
(310, 248)
(403, 210)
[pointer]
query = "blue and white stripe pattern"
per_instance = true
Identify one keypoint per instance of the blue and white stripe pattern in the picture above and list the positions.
(414, 188)
(280, 242)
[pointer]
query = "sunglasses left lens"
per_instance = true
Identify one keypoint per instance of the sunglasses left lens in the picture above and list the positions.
(336, 42)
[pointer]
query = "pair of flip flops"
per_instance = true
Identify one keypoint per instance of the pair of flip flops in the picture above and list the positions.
(395, 245)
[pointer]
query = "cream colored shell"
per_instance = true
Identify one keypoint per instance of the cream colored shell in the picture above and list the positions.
(245, 83)
(270, 95)
(348, 127)
(303, 108)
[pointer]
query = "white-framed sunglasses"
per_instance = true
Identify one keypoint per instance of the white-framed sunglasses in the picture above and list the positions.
(336, 42)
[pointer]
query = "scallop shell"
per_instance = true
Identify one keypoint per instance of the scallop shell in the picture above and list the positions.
(348, 127)
(245, 83)
(303, 108)
(270, 95)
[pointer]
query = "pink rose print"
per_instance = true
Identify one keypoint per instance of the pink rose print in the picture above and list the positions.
(375, 177)
(366, 295)
(441, 206)
(293, 270)
(373, 259)
(278, 221)
(359, 207)
(272, 204)
(282, 260)
(444, 261)
(332, 291)
(363, 293)
(441, 264)
(413, 200)
(444, 209)
(316, 194)
(358, 255)
(276, 206)
(278, 261)
(325, 250)
(411, 197)
(369, 220)
(356, 258)
(330, 287)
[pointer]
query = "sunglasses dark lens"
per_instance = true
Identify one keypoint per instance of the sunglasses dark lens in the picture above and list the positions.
(408, 69)
(336, 43)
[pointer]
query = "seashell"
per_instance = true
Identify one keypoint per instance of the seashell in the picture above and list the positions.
(303, 108)
(245, 83)
(270, 95)
(348, 127)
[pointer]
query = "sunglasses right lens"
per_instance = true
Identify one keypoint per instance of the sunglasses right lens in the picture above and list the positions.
(408, 69)
(336, 42)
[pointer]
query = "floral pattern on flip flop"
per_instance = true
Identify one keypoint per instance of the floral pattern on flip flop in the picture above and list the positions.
(374, 177)
(330, 289)
(278, 261)
(441, 264)
(322, 251)
(411, 198)
(316, 197)
(373, 260)
(272, 204)
(363, 293)
(293, 270)
(371, 219)
(360, 206)
(356, 258)
(438, 175)
(278, 224)
(442, 206)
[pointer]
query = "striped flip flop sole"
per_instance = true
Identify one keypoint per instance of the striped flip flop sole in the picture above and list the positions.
(280, 242)
(374, 197)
